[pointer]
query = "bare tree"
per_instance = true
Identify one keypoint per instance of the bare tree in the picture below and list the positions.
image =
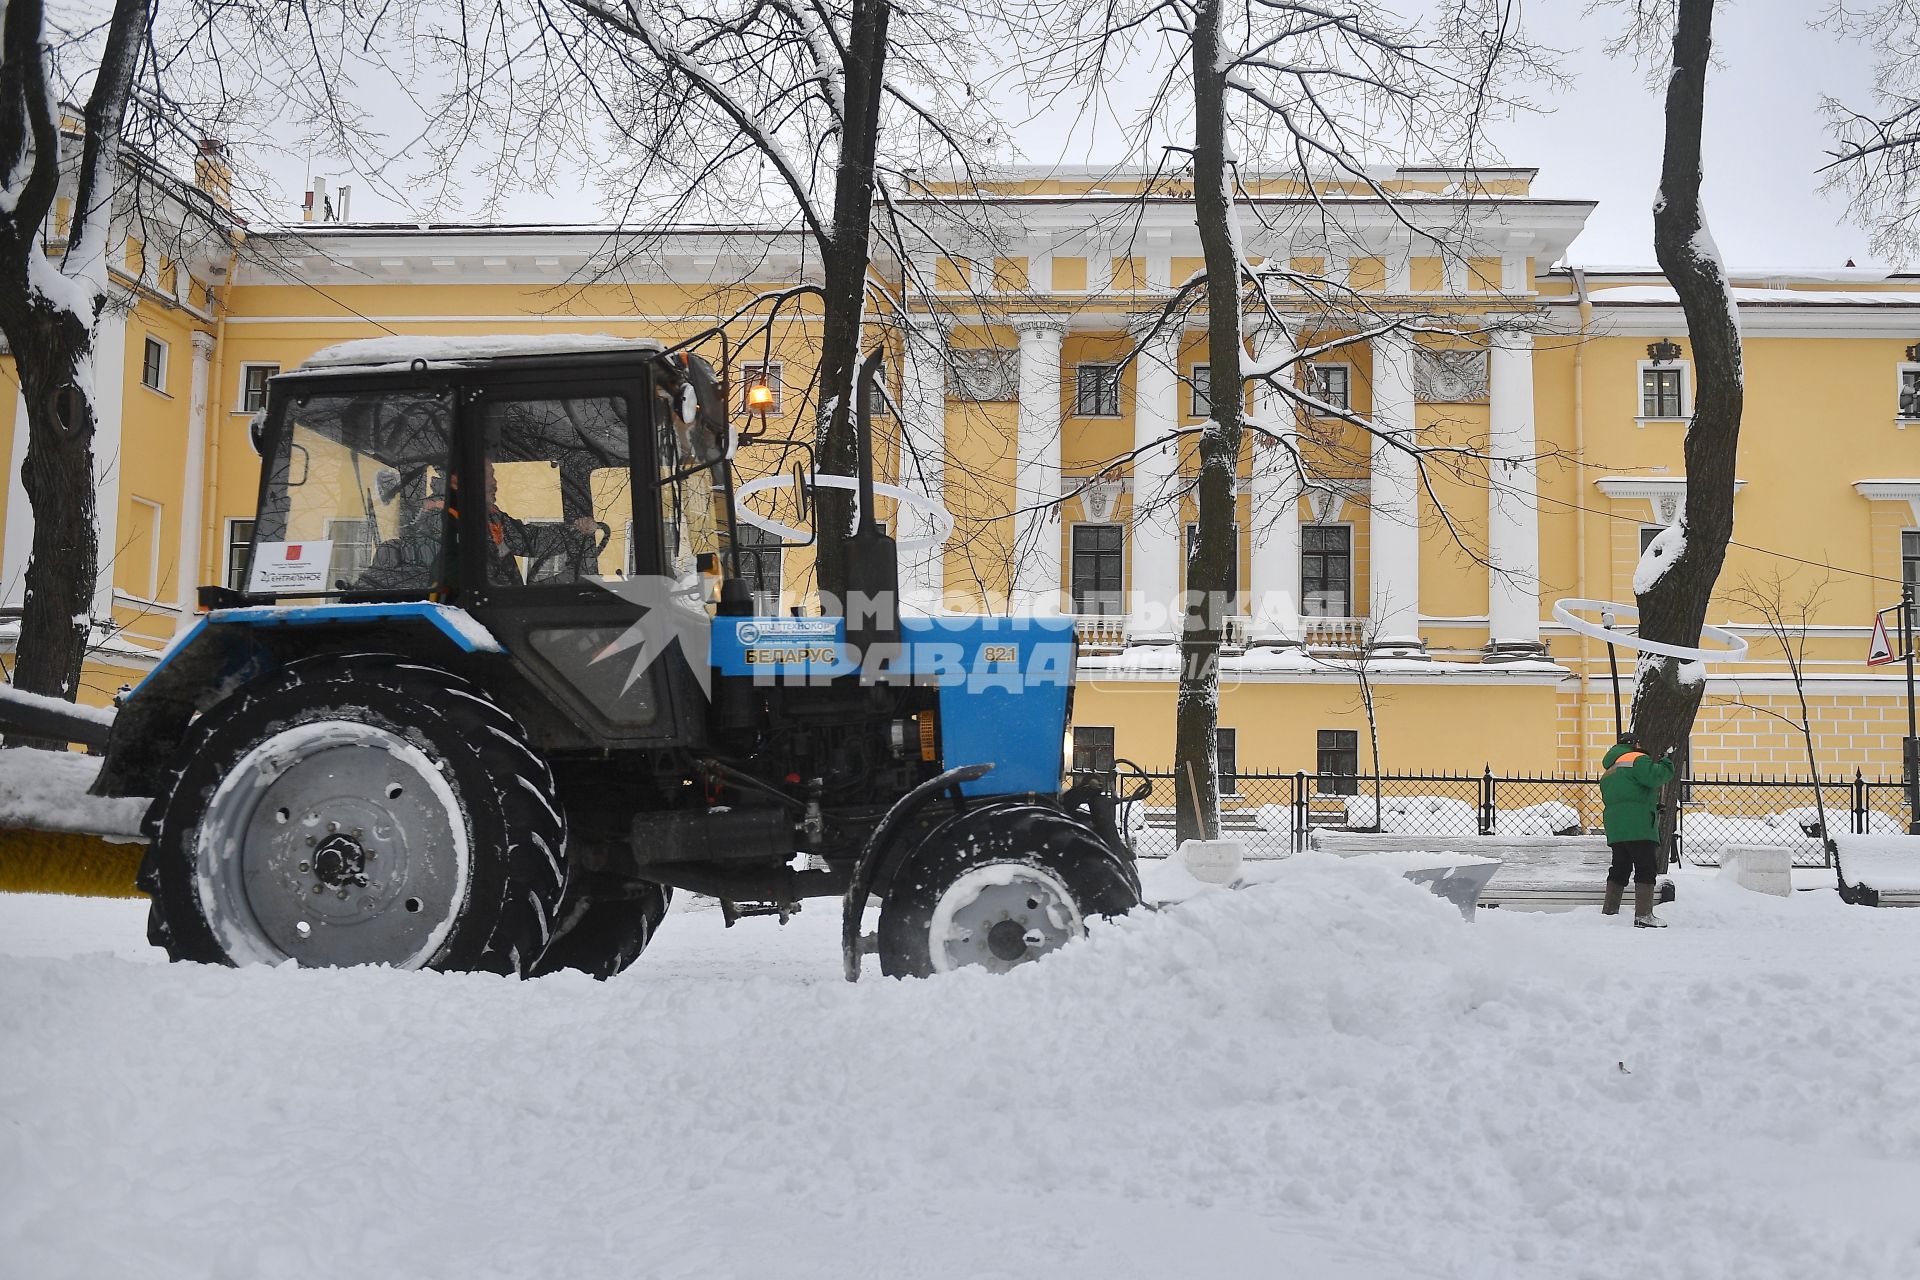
(806, 118)
(1875, 158)
(1675, 580)
(49, 309)
(1786, 613)
(1319, 88)
(1360, 668)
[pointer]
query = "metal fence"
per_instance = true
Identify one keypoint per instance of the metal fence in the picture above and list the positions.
(1275, 814)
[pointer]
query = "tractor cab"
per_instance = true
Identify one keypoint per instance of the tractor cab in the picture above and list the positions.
(523, 485)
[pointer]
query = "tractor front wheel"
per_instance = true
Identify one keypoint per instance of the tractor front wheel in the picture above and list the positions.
(996, 888)
(353, 810)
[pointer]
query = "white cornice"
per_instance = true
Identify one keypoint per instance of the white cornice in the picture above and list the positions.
(1907, 491)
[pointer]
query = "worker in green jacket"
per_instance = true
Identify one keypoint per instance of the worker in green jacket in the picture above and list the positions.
(1630, 782)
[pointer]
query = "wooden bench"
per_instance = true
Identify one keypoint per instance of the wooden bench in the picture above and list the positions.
(1540, 873)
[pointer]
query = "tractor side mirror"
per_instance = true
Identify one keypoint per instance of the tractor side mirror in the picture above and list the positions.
(257, 430)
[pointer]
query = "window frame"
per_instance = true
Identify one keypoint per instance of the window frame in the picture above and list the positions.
(246, 368)
(149, 346)
(1910, 572)
(1080, 373)
(1226, 754)
(773, 374)
(1301, 568)
(1073, 574)
(1322, 774)
(1345, 367)
(159, 509)
(1683, 368)
(1199, 396)
(1087, 738)
(1904, 370)
(245, 549)
(774, 546)
(1648, 532)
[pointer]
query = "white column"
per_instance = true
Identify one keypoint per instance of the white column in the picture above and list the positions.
(109, 395)
(193, 484)
(1153, 598)
(1036, 475)
(1394, 531)
(923, 426)
(19, 545)
(1513, 502)
(1273, 589)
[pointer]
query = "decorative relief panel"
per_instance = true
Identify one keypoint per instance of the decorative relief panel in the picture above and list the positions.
(1449, 377)
(983, 374)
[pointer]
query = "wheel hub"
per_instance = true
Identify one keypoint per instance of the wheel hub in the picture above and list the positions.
(341, 862)
(1000, 916)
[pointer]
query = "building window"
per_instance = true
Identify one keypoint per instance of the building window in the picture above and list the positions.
(138, 570)
(1201, 400)
(758, 557)
(253, 386)
(1097, 569)
(1661, 392)
(762, 375)
(1092, 748)
(239, 544)
(1330, 384)
(1338, 762)
(153, 365)
(1910, 572)
(1226, 760)
(1096, 390)
(877, 393)
(1233, 563)
(1648, 532)
(353, 544)
(1909, 393)
(1326, 570)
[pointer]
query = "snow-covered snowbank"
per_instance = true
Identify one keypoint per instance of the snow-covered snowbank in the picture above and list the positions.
(1325, 1075)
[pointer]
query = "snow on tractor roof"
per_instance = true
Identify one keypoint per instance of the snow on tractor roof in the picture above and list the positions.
(365, 353)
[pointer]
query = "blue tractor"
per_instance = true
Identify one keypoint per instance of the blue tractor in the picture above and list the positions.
(493, 686)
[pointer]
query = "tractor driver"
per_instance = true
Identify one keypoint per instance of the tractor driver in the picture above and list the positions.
(407, 562)
(509, 541)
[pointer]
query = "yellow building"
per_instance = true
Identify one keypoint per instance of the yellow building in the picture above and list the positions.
(1014, 400)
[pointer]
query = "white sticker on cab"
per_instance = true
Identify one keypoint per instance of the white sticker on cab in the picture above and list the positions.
(286, 567)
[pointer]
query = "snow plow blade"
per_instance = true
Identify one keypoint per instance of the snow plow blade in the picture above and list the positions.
(56, 838)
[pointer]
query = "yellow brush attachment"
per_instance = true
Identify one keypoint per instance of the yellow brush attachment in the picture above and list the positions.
(85, 866)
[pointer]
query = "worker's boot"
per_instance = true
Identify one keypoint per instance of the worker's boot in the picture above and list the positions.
(1643, 917)
(1611, 907)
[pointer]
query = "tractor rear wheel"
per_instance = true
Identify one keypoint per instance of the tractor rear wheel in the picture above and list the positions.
(602, 931)
(996, 888)
(358, 809)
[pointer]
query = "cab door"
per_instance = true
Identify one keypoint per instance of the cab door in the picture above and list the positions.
(561, 520)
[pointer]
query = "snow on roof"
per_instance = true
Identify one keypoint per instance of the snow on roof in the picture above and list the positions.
(1662, 295)
(365, 352)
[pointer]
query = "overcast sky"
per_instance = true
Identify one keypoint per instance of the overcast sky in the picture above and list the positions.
(1599, 139)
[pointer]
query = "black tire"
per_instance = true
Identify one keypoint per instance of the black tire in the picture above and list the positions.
(602, 931)
(472, 877)
(1064, 852)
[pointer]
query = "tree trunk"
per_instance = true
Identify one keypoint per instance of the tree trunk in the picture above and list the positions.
(1210, 563)
(1675, 606)
(50, 347)
(844, 284)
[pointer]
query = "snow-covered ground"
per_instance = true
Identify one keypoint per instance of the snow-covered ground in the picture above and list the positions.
(1328, 1074)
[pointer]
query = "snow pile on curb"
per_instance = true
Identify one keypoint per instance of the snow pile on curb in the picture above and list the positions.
(1326, 1074)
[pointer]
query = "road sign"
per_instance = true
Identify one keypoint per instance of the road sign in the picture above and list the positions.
(1880, 649)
